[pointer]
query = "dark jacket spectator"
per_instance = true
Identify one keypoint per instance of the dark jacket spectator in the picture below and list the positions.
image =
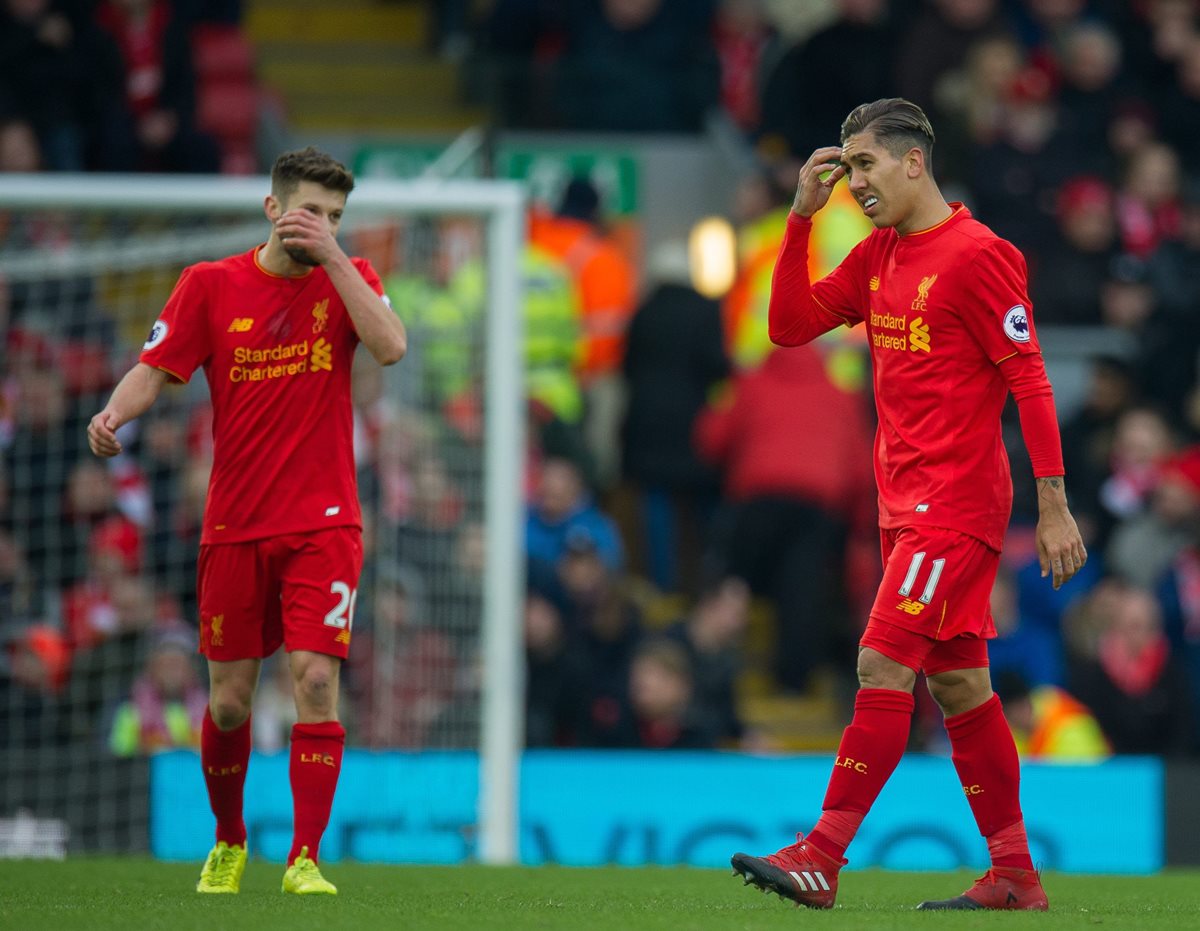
(651, 52)
(1134, 686)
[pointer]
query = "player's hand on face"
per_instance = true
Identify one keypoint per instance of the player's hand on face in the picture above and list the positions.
(1060, 547)
(102, 437)
(812, 191)
(310, 232)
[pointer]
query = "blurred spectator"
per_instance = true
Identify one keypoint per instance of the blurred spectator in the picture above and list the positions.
(91, 520)
(1181, 108)
(64, 78)
(748, 47)
(657, 712)
(16, 588)
(1031, 650)
(404, 669)
(936, 43)
(159, 87)
(606, 625)
(104, 674)
(1048, 724)
(1144, 546)
(1013, 176)
(674, 360)
(971, 101)
(165, 707)
(1148, 210)
(556, 674)
(606, 283)
(553, 328)
(859, 34)
(1142, 443)
(712, 633)
(654, 52)
(1088, 435)
(274, 711)
(19, 148)
(1136, 689)
(45, 446)
(1067, 277)
(32, 673)
(1089, 59)
(792, 500)
(562, 509)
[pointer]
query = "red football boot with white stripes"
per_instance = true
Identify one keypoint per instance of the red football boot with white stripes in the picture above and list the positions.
(799, 872)
(1002, 888)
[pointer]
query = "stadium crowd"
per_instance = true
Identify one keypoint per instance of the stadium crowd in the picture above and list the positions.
(742, 488)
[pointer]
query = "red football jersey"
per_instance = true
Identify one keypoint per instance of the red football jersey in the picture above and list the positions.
(942, 308)
(277, 353)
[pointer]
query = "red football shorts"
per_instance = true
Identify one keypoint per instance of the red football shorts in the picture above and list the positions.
(297, 590)
(933, 610)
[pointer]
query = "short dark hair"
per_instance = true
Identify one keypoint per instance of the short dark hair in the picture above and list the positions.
(309, 164)
(898, 124)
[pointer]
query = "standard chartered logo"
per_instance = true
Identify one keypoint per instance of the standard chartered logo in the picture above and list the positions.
(281, 361)
(322, 356)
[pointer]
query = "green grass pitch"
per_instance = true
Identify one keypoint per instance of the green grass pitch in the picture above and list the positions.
(132, 894)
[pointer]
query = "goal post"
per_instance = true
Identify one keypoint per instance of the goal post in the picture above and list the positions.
(123, 228)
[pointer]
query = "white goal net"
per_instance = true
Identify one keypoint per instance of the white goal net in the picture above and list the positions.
(98, 670)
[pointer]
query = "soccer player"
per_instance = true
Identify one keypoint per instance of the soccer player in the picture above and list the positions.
(948, 321)
(275, 330)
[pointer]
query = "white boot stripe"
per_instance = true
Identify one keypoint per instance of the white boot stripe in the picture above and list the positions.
(812, 883)
(821, 880)
(800, 881)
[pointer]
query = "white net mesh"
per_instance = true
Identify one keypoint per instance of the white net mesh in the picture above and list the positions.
(97, 558)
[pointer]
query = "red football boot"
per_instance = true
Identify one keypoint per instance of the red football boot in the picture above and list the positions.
(1001, 887)
(799, 872)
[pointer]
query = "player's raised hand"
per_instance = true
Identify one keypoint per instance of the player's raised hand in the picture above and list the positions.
(102, 435)
(812, 192)
(307, 237)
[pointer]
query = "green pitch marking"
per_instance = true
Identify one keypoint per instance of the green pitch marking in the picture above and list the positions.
(133, 894)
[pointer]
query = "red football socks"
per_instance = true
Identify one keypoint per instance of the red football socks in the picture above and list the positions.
(985, 756)
(871, 748)
(316, 762)
(224, 756)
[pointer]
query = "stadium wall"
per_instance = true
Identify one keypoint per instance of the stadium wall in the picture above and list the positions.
(586, 808)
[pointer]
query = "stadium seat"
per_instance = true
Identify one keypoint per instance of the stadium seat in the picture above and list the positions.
(221, 53)
(228, 110)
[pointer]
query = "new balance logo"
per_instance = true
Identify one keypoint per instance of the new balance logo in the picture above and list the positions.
(810, 882)
(911, 607)
(874, 285)
(322, 356)
(241, 325)
(343, 637)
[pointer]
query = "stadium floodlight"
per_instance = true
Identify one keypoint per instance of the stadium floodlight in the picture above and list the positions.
(86, 262)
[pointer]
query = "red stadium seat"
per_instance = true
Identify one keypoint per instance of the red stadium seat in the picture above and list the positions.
(221, 53)
(227, 110)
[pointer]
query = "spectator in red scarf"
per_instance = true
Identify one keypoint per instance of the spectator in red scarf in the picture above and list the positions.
(1128, 677)
(159, 86)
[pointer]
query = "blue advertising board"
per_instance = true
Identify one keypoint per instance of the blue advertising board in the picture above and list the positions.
(587, 808)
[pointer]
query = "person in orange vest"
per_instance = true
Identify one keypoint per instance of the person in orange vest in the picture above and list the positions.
(607, 284)
(1049, 723)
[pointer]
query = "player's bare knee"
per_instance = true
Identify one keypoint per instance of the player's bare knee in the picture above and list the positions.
(959, 691)
(876, 671)
(316, 690)
(229, 710)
